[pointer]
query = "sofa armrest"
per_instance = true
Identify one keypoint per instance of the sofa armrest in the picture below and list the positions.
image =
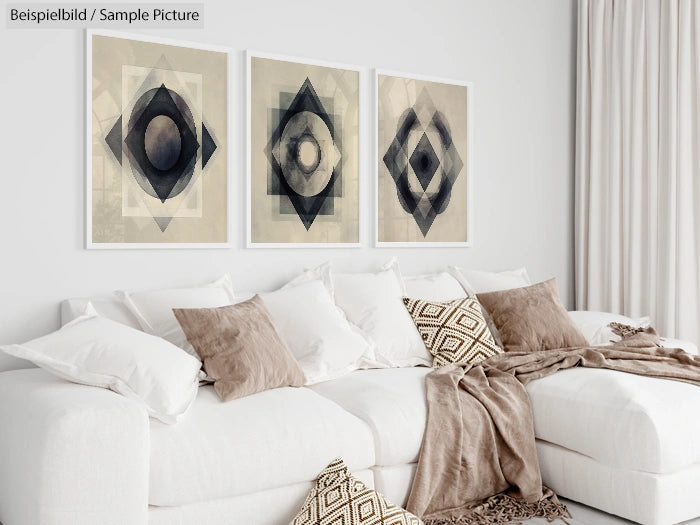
(70, 454)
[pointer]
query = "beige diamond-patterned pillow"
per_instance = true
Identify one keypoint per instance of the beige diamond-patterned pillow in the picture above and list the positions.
(454, 331)
(338, 498)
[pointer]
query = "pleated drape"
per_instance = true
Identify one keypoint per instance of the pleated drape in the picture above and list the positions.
(637, 248)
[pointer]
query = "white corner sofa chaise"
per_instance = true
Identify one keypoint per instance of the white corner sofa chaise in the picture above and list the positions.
(72, 454)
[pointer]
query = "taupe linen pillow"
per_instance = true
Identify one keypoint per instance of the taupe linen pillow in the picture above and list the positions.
(532, 318)
(240, 348)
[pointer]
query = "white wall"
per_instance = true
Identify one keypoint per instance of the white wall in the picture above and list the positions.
(520, 54)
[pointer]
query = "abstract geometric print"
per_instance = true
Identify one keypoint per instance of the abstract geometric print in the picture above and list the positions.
(423, 176)
(423, 160)
(340, 499)
(158, 128)
(304, 154)
(160, 149)
(453, 331)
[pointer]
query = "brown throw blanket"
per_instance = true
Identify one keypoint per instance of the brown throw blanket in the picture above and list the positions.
(478, 463)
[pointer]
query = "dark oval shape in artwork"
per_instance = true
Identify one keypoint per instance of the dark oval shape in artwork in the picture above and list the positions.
(162, 142)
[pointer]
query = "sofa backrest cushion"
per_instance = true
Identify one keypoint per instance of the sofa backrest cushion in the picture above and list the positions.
(324, 343)
(154, 308)
(477, 281)
(109, 307)
(373, 302)
(433, 287)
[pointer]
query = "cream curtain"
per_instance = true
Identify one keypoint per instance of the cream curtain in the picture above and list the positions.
(637, 218)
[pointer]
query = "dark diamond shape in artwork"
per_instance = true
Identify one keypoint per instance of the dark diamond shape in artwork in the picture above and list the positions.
(208, 145)
(424, 161)
(161, 145)
(114, 140)
(180, 154)
(307, 207)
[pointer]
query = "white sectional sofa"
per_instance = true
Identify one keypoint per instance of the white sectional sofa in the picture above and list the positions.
(72, 454)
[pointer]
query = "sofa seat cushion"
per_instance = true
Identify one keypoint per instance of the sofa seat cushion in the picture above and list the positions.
(391, 402)
(263, 441)
(278, 506)
(621, 420)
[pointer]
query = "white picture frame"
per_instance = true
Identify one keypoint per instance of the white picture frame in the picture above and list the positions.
(362, 131)
(89, 243)
(468, 164)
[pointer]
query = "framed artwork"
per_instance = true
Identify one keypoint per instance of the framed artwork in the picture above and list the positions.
(157, 132)
(303, 153)
(424, 161)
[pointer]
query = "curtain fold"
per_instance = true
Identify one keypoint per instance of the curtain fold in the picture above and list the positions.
(637, 218)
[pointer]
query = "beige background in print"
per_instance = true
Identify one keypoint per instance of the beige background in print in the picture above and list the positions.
(269, 78)
(109, 225)
(394, 96)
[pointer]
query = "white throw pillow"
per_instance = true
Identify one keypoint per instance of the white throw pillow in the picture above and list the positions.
(321, 272)
(594, 325)
(433, 287)
(95, 351)
(475, 281)
(154, 308)
(373, 302)
(316, 331)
